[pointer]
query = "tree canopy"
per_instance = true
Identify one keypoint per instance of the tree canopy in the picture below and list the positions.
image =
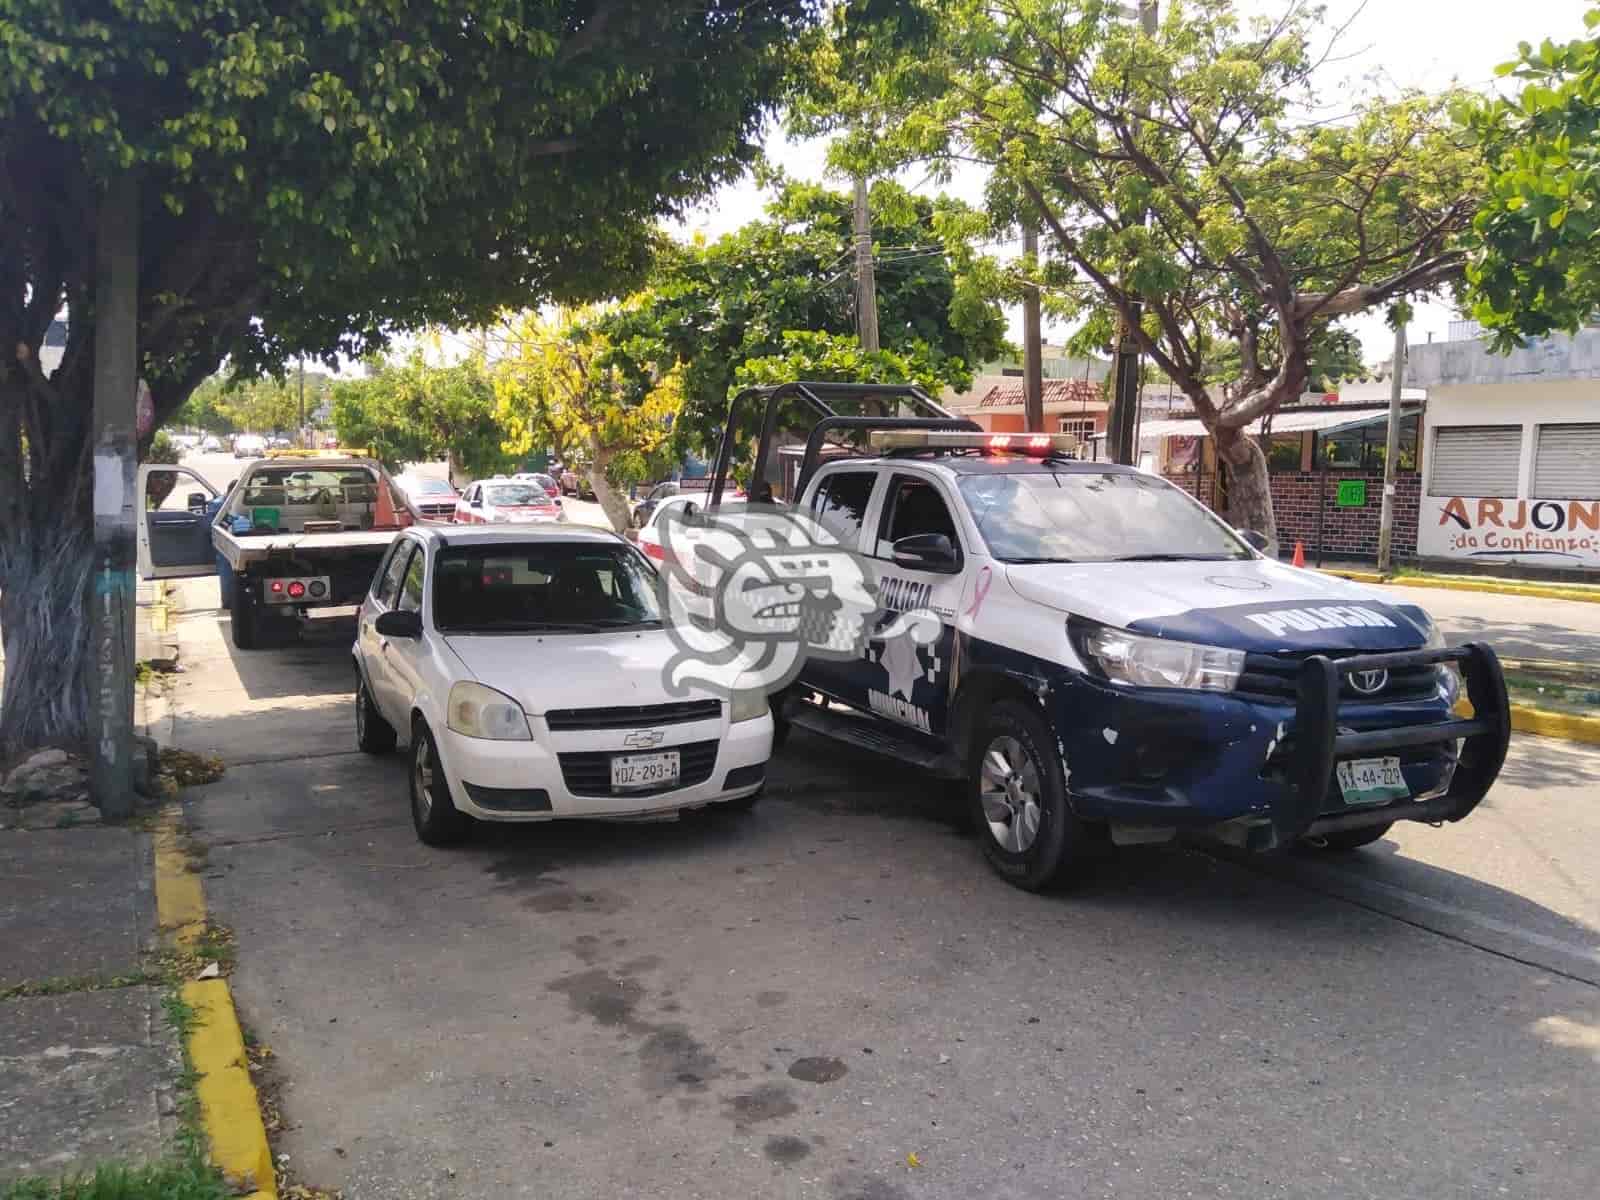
(1184, 188)
(715, 306)
(227, 404)
(313, 177)
(408, 410)
(1537, 268)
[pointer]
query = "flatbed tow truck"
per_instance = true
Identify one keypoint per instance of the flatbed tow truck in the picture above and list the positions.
(298, 532)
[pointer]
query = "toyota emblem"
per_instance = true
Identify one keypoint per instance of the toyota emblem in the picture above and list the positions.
(1369, 683)
(643, 739)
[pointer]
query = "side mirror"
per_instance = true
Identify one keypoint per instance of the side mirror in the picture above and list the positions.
(399, 624)
(1257, 540)
(197, 501)
(926, 552)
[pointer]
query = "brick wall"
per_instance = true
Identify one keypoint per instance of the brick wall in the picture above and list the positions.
(1346, 532)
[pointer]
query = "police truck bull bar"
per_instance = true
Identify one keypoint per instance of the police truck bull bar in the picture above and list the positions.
(1318, 743)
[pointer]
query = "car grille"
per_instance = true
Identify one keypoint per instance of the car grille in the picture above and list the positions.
(588, 773)
(1274, 676)
(635, 716)
(437, 511)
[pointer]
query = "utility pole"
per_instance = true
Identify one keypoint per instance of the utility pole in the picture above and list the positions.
(1124, 415)
(116, 504)
(866, 284)
(302, 404)
(1391, 451)
(1032, 366)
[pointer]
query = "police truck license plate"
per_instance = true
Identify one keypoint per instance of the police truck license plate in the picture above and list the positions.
(643, 770)
(1372, 781)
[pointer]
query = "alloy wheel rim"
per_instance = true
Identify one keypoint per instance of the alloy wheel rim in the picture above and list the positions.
(1009, 790)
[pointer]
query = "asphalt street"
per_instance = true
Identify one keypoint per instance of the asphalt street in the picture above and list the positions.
(832, 997)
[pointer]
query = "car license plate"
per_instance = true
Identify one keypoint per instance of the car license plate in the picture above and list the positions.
(643, 770)
(1372, 781)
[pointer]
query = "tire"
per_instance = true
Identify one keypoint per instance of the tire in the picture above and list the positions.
(242, 607)
(374, 735)
(437, 819)
(1346, 840)
(1018, 796)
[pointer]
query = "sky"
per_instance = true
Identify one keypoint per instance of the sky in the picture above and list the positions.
(1389, 45)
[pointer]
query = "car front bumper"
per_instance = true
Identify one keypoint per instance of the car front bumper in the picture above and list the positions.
(1262, 774)
(529, 781)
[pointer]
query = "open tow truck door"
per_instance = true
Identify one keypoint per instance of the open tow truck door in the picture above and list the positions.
(175, 519)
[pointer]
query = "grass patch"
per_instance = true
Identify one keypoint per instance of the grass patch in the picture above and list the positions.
(64, 985)
(1554, 693)
(179, 1180)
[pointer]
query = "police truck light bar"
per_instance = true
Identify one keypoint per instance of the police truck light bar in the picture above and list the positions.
(1039, 445)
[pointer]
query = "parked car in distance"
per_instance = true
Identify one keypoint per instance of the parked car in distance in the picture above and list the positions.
(526, 669)
(497, 501)
(434, 498)
(576, 483)
(330, 442)
(646, 506)
(547, 482)
(210, 444)
(249, 445)
(648, 539)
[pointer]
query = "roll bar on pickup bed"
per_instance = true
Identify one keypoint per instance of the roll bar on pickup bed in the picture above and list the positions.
(836, 406)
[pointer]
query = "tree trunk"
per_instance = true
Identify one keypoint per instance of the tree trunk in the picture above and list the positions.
(1249, 490)
(453, 471)
(46, 561)
(612, 503)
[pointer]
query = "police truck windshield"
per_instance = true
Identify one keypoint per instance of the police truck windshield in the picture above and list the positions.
(1082, 516)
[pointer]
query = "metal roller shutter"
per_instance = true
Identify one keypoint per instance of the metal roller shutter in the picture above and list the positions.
(1475, 460)
(1566, 463)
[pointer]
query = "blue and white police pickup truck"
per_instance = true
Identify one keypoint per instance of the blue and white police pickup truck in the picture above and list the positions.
(1113, 659)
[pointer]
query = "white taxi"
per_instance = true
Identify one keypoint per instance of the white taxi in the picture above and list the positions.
(504, 501)
(526, 668)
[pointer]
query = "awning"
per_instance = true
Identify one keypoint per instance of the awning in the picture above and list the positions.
(1333, 418)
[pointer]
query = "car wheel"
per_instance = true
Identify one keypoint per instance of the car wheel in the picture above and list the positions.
(374, 735)
(1349, 839)
(1019, 797)
(242, 608)
(439, 822)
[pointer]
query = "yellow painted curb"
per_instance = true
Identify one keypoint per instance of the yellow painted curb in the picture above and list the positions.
(229, 1111)
(1536, 590)
(1572, 726)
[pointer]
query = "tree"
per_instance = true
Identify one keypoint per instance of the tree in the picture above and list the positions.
(312, 178)
(409, 411)
(1183, 188)
(560, 388)
(714, 307)
(1536, 268)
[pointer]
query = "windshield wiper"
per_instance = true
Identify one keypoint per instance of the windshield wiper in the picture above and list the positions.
(1173, 558)
(1031, 561)
(522, 627)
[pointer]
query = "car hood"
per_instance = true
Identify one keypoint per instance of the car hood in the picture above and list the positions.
(571, 670)
(1245, 605)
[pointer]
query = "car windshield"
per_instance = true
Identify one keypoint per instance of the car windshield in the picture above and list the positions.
(1093, 516)
(514, 493)
(557, 587)
(431, 487)
(546, 482)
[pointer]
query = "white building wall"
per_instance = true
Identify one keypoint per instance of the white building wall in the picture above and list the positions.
(1544, 533)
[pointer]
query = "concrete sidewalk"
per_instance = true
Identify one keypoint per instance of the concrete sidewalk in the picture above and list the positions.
(88, 1058)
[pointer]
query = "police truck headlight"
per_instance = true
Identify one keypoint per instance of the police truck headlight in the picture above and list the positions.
(1134, 660)
(480, 712)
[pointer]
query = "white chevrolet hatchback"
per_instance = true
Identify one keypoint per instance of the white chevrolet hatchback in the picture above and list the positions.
(525, 666)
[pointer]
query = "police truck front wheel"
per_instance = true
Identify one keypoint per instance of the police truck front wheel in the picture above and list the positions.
(1019, 793)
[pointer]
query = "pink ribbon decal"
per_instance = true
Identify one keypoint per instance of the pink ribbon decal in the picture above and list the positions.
(979, 591)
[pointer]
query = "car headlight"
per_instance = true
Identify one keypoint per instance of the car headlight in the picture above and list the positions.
(747, 706)
(480, 712)
(1134, 660)
(1451, 685)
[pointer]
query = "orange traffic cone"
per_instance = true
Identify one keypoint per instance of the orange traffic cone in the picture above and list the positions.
(1299, 554)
